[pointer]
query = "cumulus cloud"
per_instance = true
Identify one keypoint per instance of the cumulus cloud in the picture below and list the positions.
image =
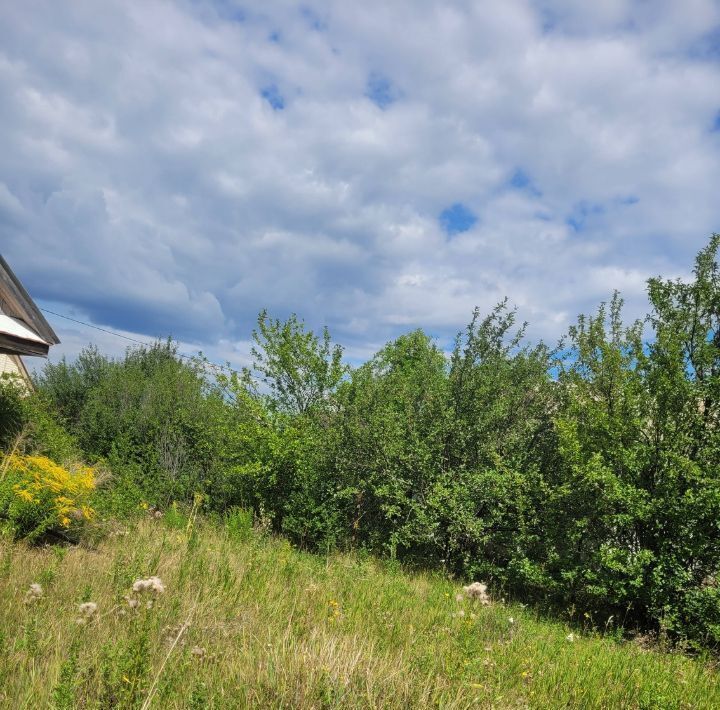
(174, 167)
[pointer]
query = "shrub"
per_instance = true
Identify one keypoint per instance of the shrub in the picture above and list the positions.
(40, 498)
(12, 416)
(30, 419)
(584, 477)
(150, 415)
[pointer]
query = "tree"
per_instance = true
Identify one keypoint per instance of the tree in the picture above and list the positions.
(300, 368)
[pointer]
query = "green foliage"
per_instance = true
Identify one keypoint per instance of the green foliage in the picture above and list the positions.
(63, 695)
(150, 416)
(583, 478)
(45, 433)
(124, 670)
(12, 418)
(239, 523)
(29, 422)
(257, 624)
(68, 385)
(300, 368)
(39, 498)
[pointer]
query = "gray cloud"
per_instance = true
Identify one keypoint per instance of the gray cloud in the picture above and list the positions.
(174, 167)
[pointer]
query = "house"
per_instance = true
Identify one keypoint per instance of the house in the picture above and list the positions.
(23, 328)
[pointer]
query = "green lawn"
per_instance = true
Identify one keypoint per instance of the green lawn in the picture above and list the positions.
(256, 624)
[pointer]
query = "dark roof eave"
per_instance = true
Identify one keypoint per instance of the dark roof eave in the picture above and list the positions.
(12, 345)
(24, 305)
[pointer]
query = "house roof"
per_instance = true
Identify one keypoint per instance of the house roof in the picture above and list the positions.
(23, 328)
(16, 328)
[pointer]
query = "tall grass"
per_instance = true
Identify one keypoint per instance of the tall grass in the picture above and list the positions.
(246, 621)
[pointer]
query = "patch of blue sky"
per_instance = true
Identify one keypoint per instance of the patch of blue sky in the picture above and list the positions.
(543, 215)
(583, 212)
(520, 180)
(548, 20)
(272, 95)
(230, 11)
(274, 36)
(457, 219)
(312, 18)
(716, 123)
(707, 48)
(380, 90)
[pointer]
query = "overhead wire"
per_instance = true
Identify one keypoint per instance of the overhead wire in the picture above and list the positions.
(211, 365)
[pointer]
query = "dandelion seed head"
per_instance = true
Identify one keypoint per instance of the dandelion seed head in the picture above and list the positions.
(478, 591)
(34, 592)
(151, 584)
(88, 609)
(157, 585)
(141, 585)
(570, 637)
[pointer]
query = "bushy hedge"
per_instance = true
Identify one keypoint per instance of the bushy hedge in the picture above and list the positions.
(586, 477)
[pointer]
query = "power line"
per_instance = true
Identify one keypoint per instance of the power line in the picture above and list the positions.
(96, 327)
(207, 363)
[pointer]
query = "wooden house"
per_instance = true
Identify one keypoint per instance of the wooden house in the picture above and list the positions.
(23, 328)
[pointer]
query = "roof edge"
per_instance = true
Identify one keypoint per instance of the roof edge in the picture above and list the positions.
(30, 312)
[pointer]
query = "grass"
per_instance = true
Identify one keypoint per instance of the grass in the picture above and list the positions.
(253, 623)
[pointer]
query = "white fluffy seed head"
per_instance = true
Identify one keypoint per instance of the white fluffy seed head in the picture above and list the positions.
(140, 585)
(34, 592)
(478, 591)
(88, 609)
(157, 586)
(151, 584)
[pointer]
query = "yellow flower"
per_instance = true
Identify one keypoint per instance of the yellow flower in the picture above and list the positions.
(24, 495)
(60, 492)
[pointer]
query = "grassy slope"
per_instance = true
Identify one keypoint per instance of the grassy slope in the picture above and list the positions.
(284, 629)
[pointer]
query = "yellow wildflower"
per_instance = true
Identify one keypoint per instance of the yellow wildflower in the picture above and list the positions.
(60, 493)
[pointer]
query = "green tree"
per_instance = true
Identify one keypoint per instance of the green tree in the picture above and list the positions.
(684, 478)
(300, 368)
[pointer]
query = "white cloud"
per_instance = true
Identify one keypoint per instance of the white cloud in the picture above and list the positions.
(146, 182)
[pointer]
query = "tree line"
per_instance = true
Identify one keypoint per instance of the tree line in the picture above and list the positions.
(583, 477)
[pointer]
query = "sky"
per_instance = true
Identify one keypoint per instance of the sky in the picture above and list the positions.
(171, 168)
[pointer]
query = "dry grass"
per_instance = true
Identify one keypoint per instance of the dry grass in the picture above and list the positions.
(257, 624)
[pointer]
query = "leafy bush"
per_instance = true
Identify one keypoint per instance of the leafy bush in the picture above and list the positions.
(149, 415)
(12, 416)
(39, 498)
(28, 420)
(584, 478)
(239, 523)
